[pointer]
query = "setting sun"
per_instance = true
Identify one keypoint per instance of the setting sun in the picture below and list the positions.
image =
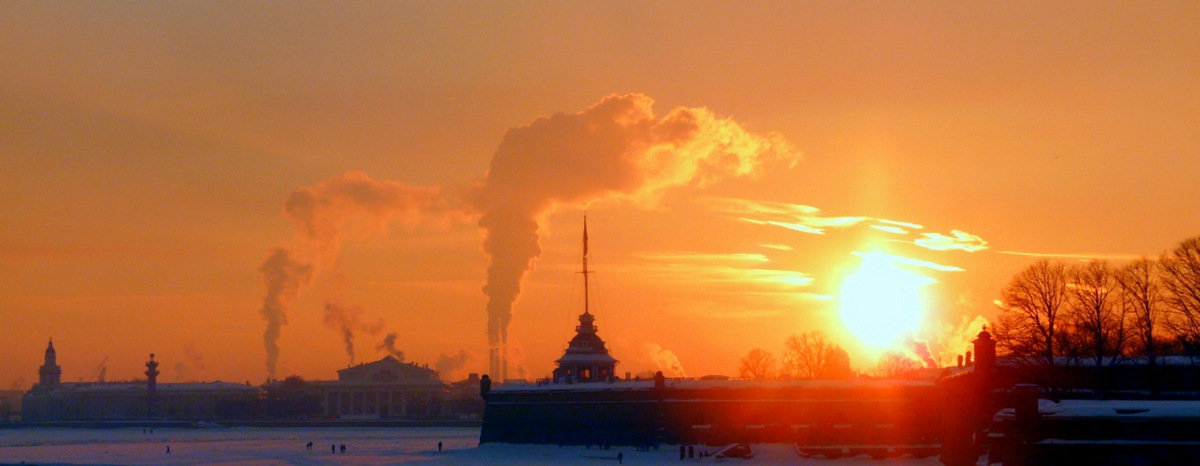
(880, 302)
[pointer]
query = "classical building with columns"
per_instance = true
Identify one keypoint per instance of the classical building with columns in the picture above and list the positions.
(387, 388)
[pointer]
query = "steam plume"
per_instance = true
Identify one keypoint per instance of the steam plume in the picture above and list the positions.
(351, 205)
(666, 360)
(348, 319)
(389, 345)
(615, 149)
(284, 276)
(920, 349)
(447, 363)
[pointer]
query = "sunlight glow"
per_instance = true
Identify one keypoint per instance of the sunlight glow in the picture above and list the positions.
(880, 303)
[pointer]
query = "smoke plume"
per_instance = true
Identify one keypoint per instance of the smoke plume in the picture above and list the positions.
(192, 361)
(348, 206)
(920, 350)
(389, 345)
(615, 149)
(665, 360)
(348, 319)
(448, 363)
(954, 340)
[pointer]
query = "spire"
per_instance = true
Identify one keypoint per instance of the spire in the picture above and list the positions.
(585, 267)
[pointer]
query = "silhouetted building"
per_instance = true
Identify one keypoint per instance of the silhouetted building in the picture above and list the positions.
(387, 388)
(586, 359)
(50, 374)
(50, 400)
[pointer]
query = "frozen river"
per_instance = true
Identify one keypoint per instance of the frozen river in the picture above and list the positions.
(368, 445)
(237, 445)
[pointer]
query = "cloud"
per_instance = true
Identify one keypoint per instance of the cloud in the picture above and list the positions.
(616, 149)
(1083, 256)
(910, 261)
(957, 240)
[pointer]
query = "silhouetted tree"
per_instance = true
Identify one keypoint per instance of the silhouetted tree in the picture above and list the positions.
(758, 365)
(1181, 280)
(893, 364)
(292, 398)
(1141, 297)
(1031, 303)
(837, 365)
(812, 356)
(1098, 320)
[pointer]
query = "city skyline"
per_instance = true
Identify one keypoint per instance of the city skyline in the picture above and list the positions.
(151, 153)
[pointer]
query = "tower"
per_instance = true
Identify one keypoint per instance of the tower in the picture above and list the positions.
(985, 351)
(586, 359)
(50, 374)
(151, 386)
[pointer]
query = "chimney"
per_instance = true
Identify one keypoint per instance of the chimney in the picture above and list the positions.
(985, 351)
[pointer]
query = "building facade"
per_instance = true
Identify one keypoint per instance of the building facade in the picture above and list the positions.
(387, 388)
(51, 400)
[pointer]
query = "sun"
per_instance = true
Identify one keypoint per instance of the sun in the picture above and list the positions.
(880, 303)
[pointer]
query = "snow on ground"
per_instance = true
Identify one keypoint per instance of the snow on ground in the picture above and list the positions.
(269, 446)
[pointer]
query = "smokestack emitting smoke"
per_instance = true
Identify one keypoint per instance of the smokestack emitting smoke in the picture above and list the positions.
(389, 345)
(351, 205)
(616, 148)
(283, 276)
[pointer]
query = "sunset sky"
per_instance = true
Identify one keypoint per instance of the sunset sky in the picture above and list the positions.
(738, 162)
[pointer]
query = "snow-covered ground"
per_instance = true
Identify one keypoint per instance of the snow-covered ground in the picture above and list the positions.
(363, 446)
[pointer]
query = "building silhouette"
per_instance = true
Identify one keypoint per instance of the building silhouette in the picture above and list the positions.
(387, 388)
(586, 358)
(51, 400)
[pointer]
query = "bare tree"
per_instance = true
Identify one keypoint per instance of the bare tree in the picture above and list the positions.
(1140, 296)
(1097, 318)
(758, 365)
(1181, 281)
(893, 364)
(1030, 310)
(812, 356)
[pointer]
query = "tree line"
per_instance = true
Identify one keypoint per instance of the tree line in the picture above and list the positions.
(1099, 312)
(806, 356)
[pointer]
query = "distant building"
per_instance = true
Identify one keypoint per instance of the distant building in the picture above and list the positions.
(387, 388)
(586, 358)
(50, 400)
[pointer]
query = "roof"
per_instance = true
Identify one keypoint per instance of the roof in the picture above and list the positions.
(121, 387)
(586, 358)
(694, 384)
(388, 370)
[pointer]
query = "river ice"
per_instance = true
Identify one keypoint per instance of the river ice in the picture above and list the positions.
(267, 446)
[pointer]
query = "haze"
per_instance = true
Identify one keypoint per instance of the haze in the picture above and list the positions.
(151, 153)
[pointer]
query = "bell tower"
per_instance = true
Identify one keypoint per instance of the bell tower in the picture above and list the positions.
(50, 374)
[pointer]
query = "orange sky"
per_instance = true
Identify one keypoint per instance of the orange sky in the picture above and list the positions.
(148, 149)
